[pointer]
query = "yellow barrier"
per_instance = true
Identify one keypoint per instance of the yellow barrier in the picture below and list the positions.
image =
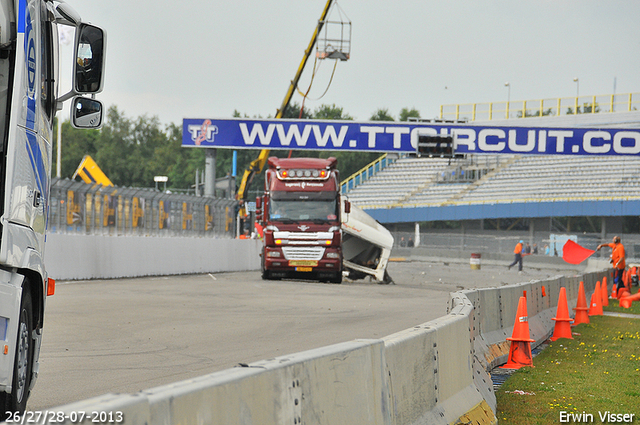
(541, 107)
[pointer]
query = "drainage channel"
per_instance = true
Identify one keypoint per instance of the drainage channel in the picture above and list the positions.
(500, 376)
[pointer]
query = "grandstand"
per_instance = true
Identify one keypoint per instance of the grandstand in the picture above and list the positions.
(413, 182)
(533, 194)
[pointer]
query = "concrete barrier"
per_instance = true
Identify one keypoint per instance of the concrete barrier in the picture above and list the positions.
(430, 369)
(435, 373)
(342, 383)
(70, 256)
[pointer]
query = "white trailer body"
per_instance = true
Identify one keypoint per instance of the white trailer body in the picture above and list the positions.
(28, 104)
(366, 245)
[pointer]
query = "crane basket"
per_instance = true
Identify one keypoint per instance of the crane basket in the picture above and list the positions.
(334, 41)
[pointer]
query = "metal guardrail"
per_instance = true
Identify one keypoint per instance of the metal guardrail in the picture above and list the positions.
(541, 107)
(494, 201)
(78, 207)
(365, 173)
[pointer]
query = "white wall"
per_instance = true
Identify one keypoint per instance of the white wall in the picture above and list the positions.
(103, 257)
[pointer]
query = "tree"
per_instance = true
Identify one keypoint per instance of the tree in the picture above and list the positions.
(75, 145)
(330, 112)
(178, 163)
(406, 113)
(527, 113)
(132, 151)
(587, 108)
(115, 147)
(294, 111)
(382, 114)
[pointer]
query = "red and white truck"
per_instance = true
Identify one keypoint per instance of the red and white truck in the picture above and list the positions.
(310, 232)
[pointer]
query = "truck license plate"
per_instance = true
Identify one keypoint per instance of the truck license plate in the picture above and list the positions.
(308, 263)
(304, 269)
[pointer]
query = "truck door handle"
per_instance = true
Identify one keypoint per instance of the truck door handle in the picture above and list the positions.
(37, 198)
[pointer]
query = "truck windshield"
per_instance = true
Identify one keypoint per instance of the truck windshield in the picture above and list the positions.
(303, 210)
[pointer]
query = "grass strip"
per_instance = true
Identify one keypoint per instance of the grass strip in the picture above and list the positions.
(595, 374)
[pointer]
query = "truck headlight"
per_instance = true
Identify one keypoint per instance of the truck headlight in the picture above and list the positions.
(333, 255)
(276, 254)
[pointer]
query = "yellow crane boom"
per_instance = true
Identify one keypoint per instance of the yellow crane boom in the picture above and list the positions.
(257, 164)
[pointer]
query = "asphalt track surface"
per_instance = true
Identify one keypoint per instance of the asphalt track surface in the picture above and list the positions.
(127, 335)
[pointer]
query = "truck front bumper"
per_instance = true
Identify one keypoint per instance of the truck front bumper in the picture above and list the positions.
(322, 268)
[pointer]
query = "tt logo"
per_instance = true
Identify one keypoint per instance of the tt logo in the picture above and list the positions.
(303, 227)
(202, 133)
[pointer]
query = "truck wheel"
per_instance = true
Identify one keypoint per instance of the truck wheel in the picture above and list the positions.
(337, 279)
(265, 273)
(23, 363)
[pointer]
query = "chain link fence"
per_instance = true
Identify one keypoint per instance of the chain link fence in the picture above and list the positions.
(81, 208)
(504, 243)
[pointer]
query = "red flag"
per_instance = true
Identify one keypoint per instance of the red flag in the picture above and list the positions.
(573, 253)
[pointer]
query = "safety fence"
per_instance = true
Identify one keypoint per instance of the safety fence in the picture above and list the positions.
(541, 107)
(93, 209)
(436, 373)
(503, 242)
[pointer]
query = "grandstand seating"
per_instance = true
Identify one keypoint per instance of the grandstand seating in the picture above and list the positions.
(411, 181)
(397, 180)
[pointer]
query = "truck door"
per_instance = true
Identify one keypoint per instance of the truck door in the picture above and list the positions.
(30, 135)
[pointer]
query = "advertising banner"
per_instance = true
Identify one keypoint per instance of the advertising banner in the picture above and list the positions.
(403, 137)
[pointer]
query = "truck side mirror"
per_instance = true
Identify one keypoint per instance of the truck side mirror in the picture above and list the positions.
(347, 207)
(259, 208)
(86, 113)
(89, 67)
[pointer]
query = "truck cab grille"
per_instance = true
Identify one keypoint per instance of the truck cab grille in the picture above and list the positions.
(303, 253)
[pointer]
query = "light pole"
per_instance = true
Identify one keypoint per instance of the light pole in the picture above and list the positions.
(508, 86)
(577, 81)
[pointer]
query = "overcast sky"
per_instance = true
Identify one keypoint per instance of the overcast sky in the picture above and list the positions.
(205, 59)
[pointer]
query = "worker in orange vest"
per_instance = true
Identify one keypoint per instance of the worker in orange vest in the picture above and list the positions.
(617, 258)
(518, 256)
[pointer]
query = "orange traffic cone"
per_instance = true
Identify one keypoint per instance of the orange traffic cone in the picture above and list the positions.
(591, 310)
(627, 278)
(604, 292)
(627, 282)
(614, 291)
(595, 308)
(623, 289)
(562, 328)
(581, 307)
(520, 350)
(623, 292)
(628, 300)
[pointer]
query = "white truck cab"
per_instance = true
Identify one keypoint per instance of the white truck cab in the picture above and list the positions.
(29, 101)
(366, 245)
